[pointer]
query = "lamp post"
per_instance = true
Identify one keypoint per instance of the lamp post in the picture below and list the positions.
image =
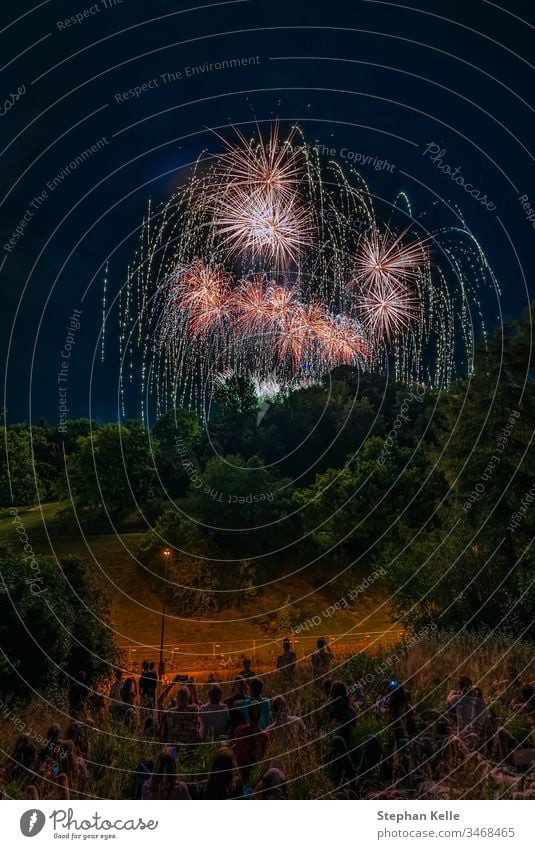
(161, 666)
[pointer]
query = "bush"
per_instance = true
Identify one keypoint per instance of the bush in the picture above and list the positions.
(52, 624)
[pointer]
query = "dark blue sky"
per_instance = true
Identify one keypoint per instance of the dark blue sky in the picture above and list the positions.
(373, 77)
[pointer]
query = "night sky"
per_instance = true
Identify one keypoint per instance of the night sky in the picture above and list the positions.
(377, 78)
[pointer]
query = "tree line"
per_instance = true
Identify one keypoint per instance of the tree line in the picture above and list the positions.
(357, 474)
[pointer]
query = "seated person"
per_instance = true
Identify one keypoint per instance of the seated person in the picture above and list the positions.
(235, 701)
(272, 785)
(164, 783)
(256, 686)
(286, 732)
(224, 780)
(250, 741)
(214, 715)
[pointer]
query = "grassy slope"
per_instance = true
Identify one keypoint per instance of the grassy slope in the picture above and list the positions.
(135, 609)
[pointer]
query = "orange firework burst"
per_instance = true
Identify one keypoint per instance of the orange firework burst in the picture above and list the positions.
(202, 292)
(250, 309)
(293, 336)
(344, 344)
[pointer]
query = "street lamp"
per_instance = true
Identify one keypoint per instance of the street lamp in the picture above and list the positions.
(161, 666)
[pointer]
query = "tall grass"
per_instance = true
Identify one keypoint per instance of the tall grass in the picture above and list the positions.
(428, 669)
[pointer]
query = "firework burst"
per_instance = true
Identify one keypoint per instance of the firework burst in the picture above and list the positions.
(262, 224)
(271, 263)
(258, 165)
(249, 308)
(386, 259)
(201, 294)
(386, 308)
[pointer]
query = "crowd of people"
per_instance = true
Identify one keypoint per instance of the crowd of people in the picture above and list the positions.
(237, 741)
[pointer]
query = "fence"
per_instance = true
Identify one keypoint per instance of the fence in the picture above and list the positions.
(263, 653)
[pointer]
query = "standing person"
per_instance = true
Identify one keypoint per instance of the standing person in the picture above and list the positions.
(235, 701)
(143, 681)
(250, 742)
(214, 714)
(151, 683)
(341, 712)
(287, 661)
(164, 783)
(129, 691)
(246, 672)
(321, 660)
(256, 685)
(116, 699)
(402, 717)
(78, 693)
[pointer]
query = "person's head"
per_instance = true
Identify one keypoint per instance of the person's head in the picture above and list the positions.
(130, 717)
(22, 740)
(255, 712)
(182, 698)
(118, 674)
(165, 767)
(224, 775)
(145, 666)
(151, 666)
(512, 672)
(476, 692)
(76, 732)
(31, 793)
(321, 643)
(339, 692)
(24, 752)
(53, 733)
(240, 687)
(255, 687)
(527, 694)
(464, 683)
(279, 707)
(149, 727)
(81, 676)
(286, 645)
(246, 664)
(385, 687)
(214, 694)
(399, 700)
(272, 785)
